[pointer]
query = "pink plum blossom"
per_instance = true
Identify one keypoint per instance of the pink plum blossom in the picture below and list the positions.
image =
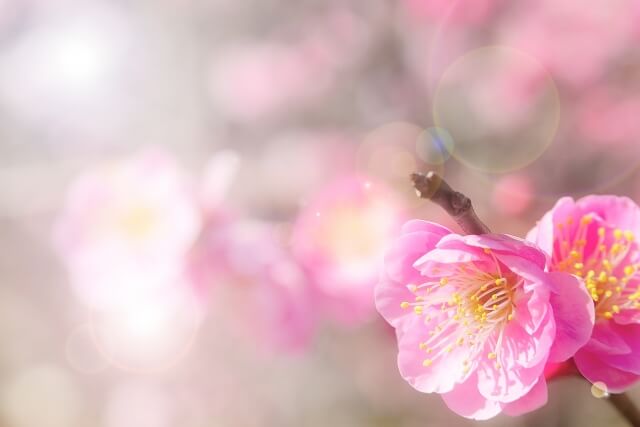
(264, 295)
(340, 237)
(477, 318)
(594, 238)
(127, 224)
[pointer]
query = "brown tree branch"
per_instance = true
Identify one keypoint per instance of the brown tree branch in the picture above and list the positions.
(626, 408)
(431, 186)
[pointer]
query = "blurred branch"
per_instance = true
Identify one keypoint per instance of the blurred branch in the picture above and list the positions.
(431, 186)
(623, 404)
(626, 408)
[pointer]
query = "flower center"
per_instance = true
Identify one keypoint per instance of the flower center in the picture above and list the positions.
(464, 308)
(137, 222)
(608, 267)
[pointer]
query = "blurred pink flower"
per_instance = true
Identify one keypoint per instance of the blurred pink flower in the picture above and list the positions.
(456, 12)
(574, 39)
(262, 79)
(340, 238)
(609, 116)
(127, 224)
(594, 238)
(512, 194)
(265, 78)
(477, 318)
(264, 295)
(218, 175)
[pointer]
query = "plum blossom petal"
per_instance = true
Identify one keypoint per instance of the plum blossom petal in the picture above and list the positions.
(620, 211)
(629, 361)
(445, 256)
(596, 369)
(503, 383)
(507, 244)
(536, 398)
(387, 295)
(445, 367)
(573, 313)
(523, 267)
(542, 234)
(427, 226)
(466, 401)
(606, 340)
(402, 255)
(530, 309)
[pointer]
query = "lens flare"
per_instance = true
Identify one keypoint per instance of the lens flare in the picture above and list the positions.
(392, 151)
(500, 107)
(82, 353)
(148, 334)
(434, 146)
(599, 390)
(71, 65)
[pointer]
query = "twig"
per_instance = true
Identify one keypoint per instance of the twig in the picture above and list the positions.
(431, 186)
(626, 407)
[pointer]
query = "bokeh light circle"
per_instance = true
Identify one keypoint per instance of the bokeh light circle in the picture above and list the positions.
(391, 152)
(434, 146)
(82, 353)
(500, 106)
(599, 390)
(148, 334)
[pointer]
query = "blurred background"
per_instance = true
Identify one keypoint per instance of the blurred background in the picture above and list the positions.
(196, 194)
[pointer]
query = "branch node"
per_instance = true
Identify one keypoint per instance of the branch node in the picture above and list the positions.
(432, 187)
